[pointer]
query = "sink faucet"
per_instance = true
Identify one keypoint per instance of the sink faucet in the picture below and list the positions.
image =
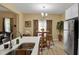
(20, 34)
(11, 40)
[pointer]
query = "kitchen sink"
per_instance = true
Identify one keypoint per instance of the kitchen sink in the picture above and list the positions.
(27, 46)
(20, 52)
(23, 49)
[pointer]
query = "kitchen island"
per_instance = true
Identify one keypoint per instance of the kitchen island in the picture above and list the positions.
(22, 40)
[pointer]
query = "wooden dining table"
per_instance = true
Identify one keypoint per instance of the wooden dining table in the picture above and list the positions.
(43, 33)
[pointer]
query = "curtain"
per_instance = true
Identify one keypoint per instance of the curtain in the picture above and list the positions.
(35, 27)
(49, 28)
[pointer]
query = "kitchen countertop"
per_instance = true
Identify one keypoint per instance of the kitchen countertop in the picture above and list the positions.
(22, 40)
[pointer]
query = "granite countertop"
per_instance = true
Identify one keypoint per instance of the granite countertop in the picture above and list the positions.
(22, 40)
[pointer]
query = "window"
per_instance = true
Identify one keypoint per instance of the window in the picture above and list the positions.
(7, 24)
(42, 25)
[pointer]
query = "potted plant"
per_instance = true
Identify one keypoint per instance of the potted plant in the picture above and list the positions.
(60, 30)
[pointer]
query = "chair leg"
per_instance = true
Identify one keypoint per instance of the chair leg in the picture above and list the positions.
(48, 44)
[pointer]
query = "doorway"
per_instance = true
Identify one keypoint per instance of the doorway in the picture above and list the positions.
(9, 26)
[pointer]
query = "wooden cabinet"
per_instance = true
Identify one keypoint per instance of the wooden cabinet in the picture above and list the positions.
(23, 52)
(71, 12)
(20, 52)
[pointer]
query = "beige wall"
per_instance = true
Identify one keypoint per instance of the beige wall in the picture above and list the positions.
(12, 8)
(25, 17)
(54, 17)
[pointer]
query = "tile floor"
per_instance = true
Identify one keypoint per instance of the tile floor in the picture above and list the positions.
(56, 49)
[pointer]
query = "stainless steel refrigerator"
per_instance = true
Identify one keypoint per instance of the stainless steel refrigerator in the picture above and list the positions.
(71, 36)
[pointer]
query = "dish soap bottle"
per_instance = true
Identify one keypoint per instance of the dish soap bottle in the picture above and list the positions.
(17, 41)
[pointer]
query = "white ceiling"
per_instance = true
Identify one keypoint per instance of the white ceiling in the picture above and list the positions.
(55, 8)
(38, 7)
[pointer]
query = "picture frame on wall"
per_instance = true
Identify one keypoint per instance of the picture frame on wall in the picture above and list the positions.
(27, 23)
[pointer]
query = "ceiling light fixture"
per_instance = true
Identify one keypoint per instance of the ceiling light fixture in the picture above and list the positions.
(43, 14)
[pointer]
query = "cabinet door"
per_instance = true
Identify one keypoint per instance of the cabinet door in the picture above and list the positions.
(71, 12)
(20, 52)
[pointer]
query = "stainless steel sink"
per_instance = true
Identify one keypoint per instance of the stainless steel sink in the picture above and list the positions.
(20, 52)
(27, 46)
(23, 49)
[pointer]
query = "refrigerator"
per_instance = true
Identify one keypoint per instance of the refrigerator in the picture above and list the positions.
(71, 36)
